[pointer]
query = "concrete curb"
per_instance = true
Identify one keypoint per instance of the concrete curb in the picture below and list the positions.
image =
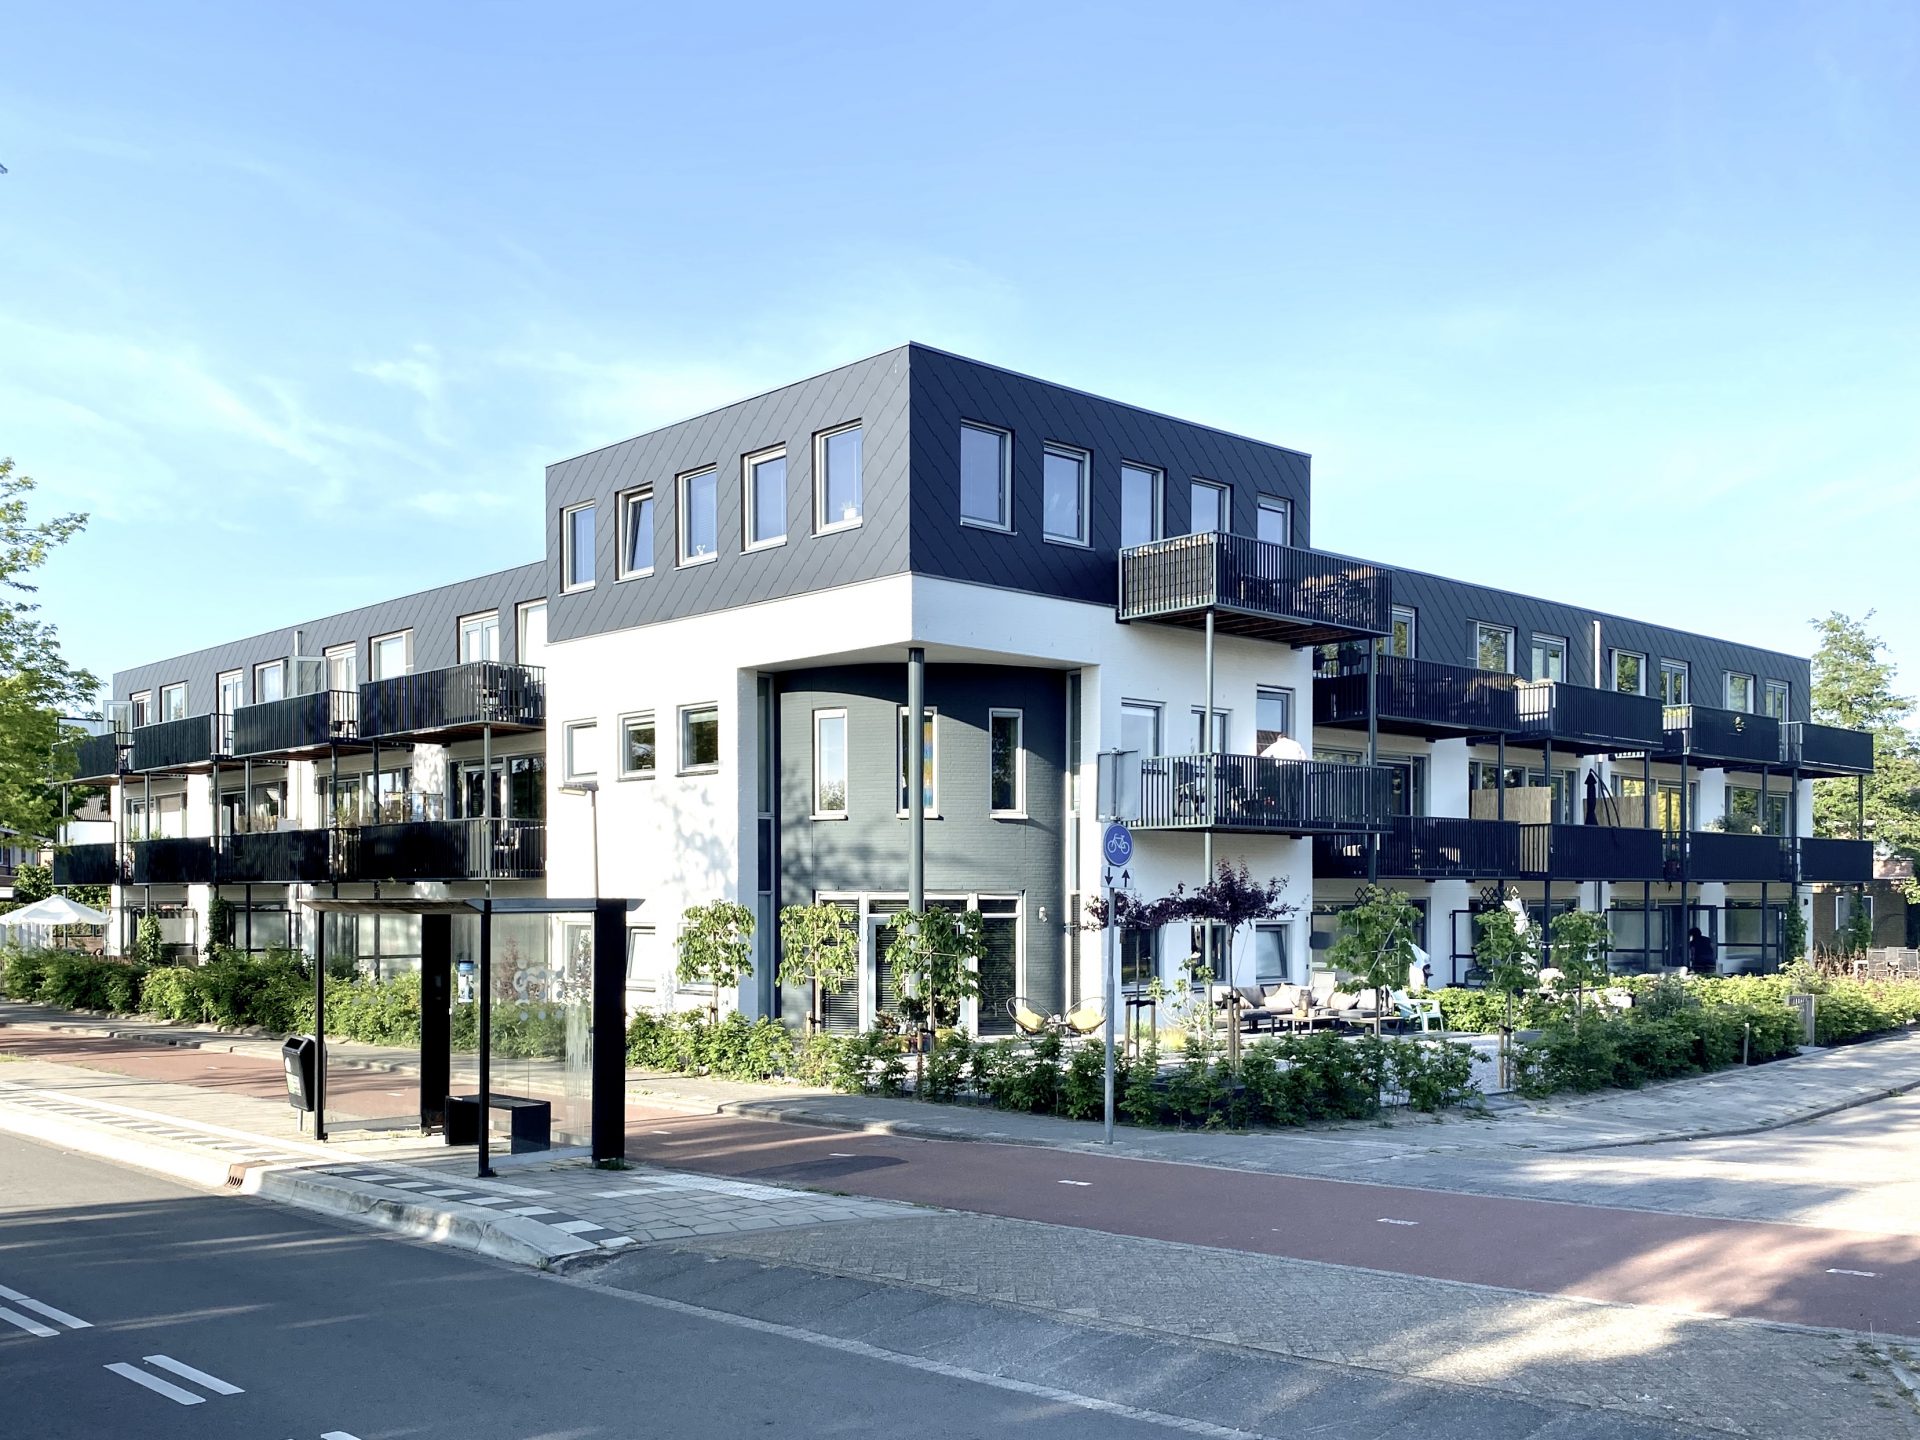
(176, 1162)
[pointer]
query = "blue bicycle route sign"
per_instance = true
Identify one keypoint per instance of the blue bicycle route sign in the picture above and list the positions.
(1117, 844)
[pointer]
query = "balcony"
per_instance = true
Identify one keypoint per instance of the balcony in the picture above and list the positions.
(1835, 862)
(1825, 750)
(173, 861)
(1415, 697)
(1426, 847)
(1726, 739)
(1588, 722)
(1251, 794)
(1254, 588)
(445, 850)
(88, 865)
(97, 757)
(298, 723)
(1713, 855)
(1591, 852)
(455, 702)
(181, 744)
(276, 857)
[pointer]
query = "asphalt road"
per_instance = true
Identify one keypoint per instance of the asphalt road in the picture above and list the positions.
(133, 1307)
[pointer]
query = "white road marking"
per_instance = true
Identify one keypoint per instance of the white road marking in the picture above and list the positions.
(199, 1377)
(1073, 1182)
(27, 1302)
(1383, 1220)
(156, 1384)
(1862, 1274)
(663, 1132)
(338, 1435)
(841, 1155)
(32, 1327)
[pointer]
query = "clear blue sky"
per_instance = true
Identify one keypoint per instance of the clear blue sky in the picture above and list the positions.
(1616, 304)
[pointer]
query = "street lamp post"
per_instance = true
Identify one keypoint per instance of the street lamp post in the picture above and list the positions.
(590, 789)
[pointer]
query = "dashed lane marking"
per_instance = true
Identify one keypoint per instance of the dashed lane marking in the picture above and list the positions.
(1073, 1182)
(176, 1393)
(1860, 1274)
(32, 1327)
(1384, 1220)
(27, 1302)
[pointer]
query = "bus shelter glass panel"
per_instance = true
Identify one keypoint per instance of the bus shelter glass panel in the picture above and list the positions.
(540, 1012)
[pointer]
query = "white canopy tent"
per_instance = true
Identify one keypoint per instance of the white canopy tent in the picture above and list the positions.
(40, 918)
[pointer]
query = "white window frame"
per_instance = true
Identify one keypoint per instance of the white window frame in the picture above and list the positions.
(1685, 672)
(1483, 627)
(1083, 461)
(569, 732)
(900, 778)
(477, 622)
(627, 504)
(1275, 505)
(520, 613)
(1727, 691)
(1284, 693)
(349, 653)
(748, 541)
(568, 585)
(1005, 523)
(1156, 501)
(684, 713)
(1782, 688)
(1412, 616)
(846, 761)
(1614, 657)
(1018, 811)
(405, 637)
(1195, 484)
(1159, 713)
(821, 524)
(269, 667)
(1540, 642)
(142, 700)
(624, 771)
(1222, 725)
(178, 687)
(681, 515)
(221, 691)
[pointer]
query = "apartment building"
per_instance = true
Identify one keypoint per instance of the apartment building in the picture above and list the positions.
(912, 630)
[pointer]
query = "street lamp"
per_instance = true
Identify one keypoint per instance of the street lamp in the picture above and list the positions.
(590, 789)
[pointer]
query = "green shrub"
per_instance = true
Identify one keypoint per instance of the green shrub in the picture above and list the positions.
(1431, 1076)
(1483, 1012)
(1083, 1089)
(1028, 1076)
(83, 982)
(826, 1060)
(946, 1068)
(21, 972)
(172, 992)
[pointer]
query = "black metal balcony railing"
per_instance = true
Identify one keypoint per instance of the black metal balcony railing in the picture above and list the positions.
(445, 850)
(181, 744)
(276, 857)
(89, 865)
(483, 692)
(1420, 697)
(97, 757)
(1582, 718)
(1826, 749)
(1835, 862)
(1701, 732)
(1719, 855)
(1256, 794)
(1257, 587)
(176, 860)
(1434, 847)
(299, 722)
(1591, 852)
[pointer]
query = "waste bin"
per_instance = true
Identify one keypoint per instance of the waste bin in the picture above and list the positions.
(298, 1056)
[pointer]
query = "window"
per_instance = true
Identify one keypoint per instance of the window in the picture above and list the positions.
(643, 965)
(141, 706)
(390, 655)
(1777, 699)
(1843, 904)
(637, 746)
(766, 498)
(229, 692)
(343, 668)
(1629, 675)
(1141, 494)
(699, 516)
(1272, 717)
(578, 759)
(173, 702)
(480, 637)
(986, 477)
(1219, 732)
(636, 533)
(1064, 494)
(1406, 777)
(699, 738)
(1493, 647)
(1404, 636)
(1740, 692)
(1207, 507)
(1674, 689)
(1270, 955)
(1275, 520)
(576, 547)
(1549, 657)
(1140, 727)
(836, 467)
(532, 647)
(1139, 956)
(1747, 815)
(829, 764)
(269, 682)
(1007, 763)
(929, 768)
(1485, 775)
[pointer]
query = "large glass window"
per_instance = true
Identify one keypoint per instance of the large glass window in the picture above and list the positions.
(391, 655)
(532, 639)
(230, 693)
(1674, 689)
(766, 487)
(1064, 494)
(986, 477)
(343, 668)
(837, 498)
(1549, 657)
(173, 702)
(1141, 492)
(1272, 716)
(1275, 520)
(582, 762)
(1140, 728)
(929, 757)
(1629, 672)
(1404, 636)
(1270, 965)
(699, 516)
(829, 763)
(699, 738)
(1220, 731)
(1493, 647)
(1007, 763)
(480, 637)
(636, 533)
(1139, 957)
(1750, 813)
(1207, 508)
(269, 682)
(1740, 693)
(1777, 699)
(1484, 775)
(576, 547)
(637, 746)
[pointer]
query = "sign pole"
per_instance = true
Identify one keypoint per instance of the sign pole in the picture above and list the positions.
(1116, 848)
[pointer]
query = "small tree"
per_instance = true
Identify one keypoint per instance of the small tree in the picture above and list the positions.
(149, 945)
(1793, 932)
(715, 947)
(937, 953)
(818, 945)
(1507, 950)
(1857, 934)
(1375, 944)
(1232, 899)
(1577, 944)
